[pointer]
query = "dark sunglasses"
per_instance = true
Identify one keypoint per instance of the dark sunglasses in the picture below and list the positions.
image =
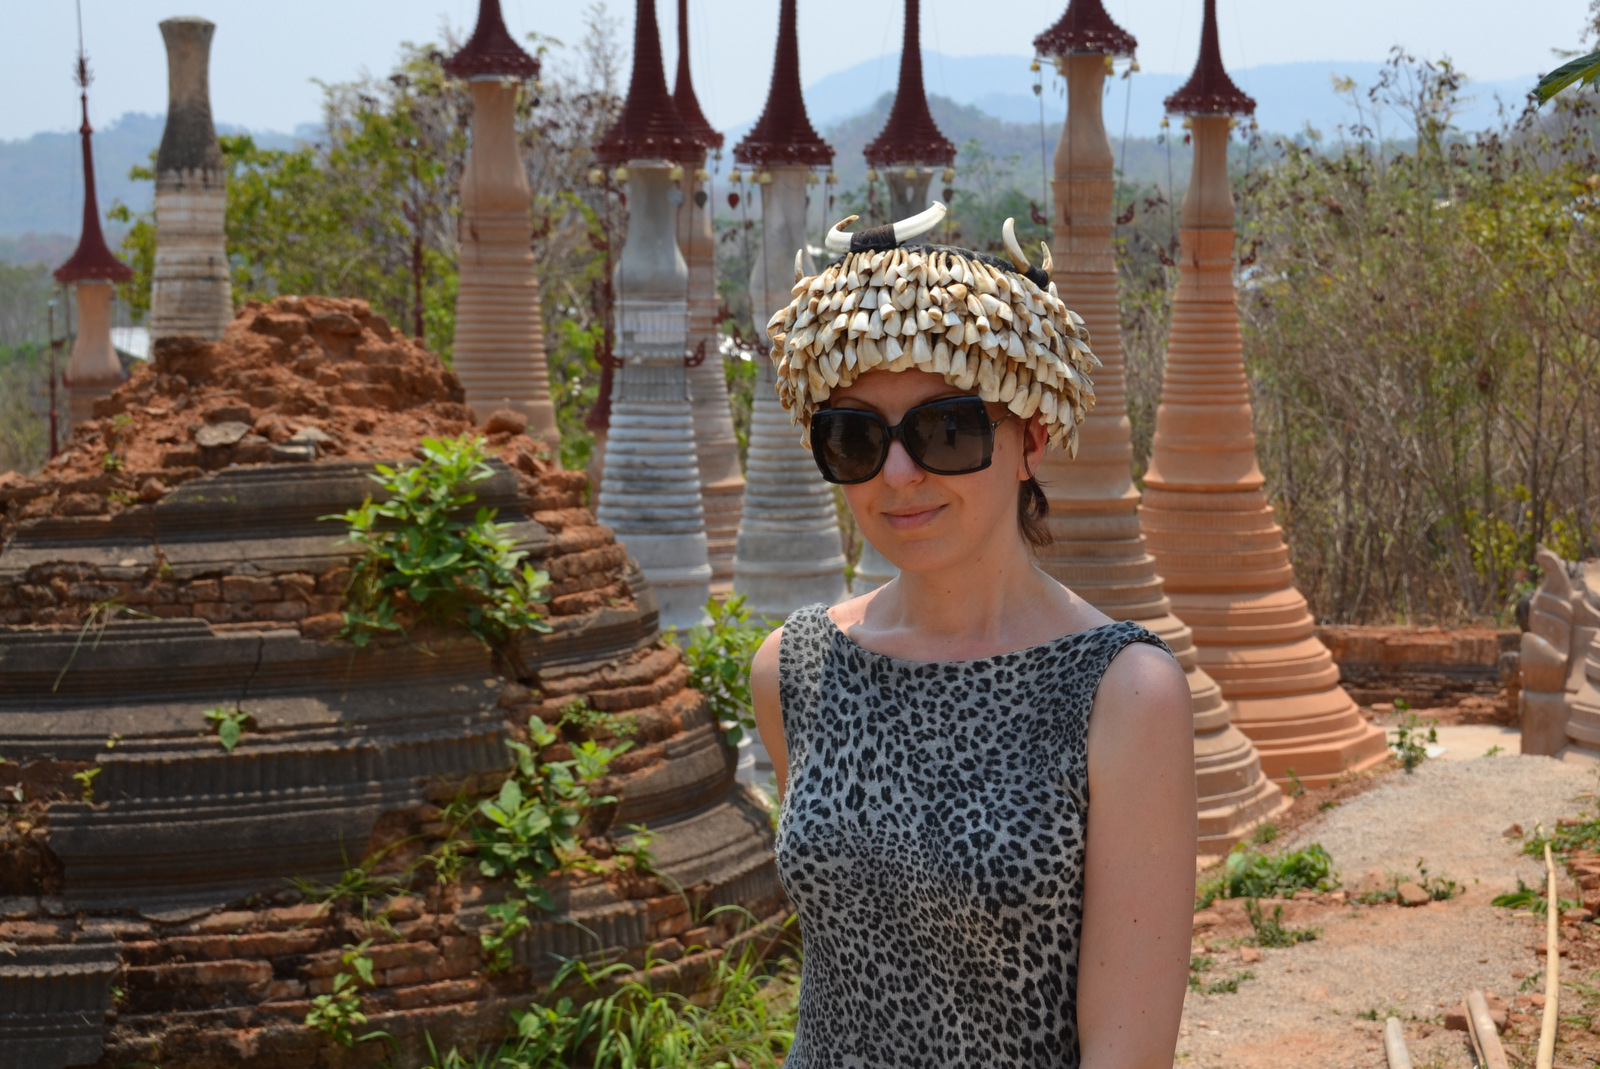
(951, 436)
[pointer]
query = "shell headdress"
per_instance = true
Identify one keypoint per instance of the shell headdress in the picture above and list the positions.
(983, 324)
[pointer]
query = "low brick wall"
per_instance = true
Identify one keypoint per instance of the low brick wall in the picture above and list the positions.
(1471, 669)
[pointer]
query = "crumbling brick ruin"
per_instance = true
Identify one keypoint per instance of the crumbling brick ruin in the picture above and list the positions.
(145, 872)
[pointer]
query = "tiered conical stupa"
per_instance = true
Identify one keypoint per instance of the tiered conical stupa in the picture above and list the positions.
(907, 151)
(190, 291)
(499, 339)
(650, 485)
(94, 370)
(721, 480)
(1205, 515)
(789, 552)
(1099, 550)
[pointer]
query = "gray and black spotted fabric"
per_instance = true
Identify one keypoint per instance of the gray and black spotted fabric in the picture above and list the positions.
(932, 841)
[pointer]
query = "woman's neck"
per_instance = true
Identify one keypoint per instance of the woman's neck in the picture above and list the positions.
(994, 603)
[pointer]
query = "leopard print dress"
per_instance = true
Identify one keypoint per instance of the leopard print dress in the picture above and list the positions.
(932, 841)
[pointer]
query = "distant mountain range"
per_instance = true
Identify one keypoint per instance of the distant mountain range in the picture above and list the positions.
(989, 99)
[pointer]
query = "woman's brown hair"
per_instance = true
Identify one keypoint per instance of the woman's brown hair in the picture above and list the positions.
(1033, 514)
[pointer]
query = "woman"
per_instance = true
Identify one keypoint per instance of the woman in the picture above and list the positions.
(938, 741)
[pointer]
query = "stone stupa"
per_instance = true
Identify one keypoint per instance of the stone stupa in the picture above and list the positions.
(1099, 550)
(190, 290)
(716, 447)
(94, 369)
(499, 338)
(907, 152)
(650, 484)
(1205, 514)
(789, 551)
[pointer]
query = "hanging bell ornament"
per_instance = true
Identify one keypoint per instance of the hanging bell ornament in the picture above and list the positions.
(1034, 66)
(736, 177)
(620, 176)
(1133, 68)
(811, 178)
(702, 175)
(832, 179)
(675, 173)
(596, 176)
(765, 178)
(872, 174)
(949, 176)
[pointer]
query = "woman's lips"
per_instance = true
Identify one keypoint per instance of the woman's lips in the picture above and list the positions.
(911, 519)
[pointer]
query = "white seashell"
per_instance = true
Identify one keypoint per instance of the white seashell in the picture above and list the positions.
(868, 354)
(1006, 313)
(925, 322)
(851, 299)
(869, 299)
(892, 349)
(953, 321)
(921, 351)
(906, 299)
(875, 324)
(941, 356)
(971, 333)
(958, 367)
(840, 323)
(860, 324)
(1014, 346)
(908, 325)
(891, 321)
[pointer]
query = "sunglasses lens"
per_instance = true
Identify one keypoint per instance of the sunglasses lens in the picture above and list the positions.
(848, 444)
(950, 437)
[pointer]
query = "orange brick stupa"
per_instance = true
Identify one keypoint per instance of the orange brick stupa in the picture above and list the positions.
(1099, 550)
(1205, 515)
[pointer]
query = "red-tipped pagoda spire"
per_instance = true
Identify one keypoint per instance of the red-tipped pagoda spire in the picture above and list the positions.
(1085, 29)
(1209, 90)
(1205, 514)
(491, 51)
(910, 136)
(94, 369)
(649, 127)
(784, 134)
(683, 97)
(92, 261)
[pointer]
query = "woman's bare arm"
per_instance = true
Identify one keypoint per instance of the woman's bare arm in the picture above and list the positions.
(768, 712)
(1139, 864)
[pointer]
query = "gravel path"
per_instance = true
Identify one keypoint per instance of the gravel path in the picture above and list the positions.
(1305, 1005)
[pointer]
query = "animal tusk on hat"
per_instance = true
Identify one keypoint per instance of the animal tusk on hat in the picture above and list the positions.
(799, 264)
(1039, 276)
(885, 237)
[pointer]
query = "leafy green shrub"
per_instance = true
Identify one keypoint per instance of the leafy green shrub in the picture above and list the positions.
(336, 1014)
(1271, 932)
(719, 655)
(1528, 898)
(1410, 744)
(420, 562)
(531, 826)
(1252, 874)
(745, 1016)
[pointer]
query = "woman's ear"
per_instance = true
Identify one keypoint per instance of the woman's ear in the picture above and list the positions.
(1035, 438)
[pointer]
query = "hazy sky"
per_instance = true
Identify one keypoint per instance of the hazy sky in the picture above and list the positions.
(266, 54)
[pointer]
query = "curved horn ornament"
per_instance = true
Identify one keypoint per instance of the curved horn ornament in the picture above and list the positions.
(911, 229)
(1013, 249)
(799, 264)
(838, 240)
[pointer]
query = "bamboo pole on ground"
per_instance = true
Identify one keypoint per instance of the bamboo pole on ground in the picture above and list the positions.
(1552, 966)
(1394, 1044)
(1485, 1038)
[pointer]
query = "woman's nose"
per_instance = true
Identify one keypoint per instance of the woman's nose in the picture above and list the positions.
(900, 470)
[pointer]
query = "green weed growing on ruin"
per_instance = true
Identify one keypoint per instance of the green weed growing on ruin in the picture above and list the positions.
(1271, 931)
(719, 654)
(337, 1014)
(421, 561)
(230, 722)
(531, 827)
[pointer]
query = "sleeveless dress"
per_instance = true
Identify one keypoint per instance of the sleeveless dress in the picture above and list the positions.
(931, 840)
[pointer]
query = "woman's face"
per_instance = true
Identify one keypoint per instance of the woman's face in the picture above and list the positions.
(924, 522)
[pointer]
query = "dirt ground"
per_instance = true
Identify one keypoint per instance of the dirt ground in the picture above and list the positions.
(1323, 1003)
